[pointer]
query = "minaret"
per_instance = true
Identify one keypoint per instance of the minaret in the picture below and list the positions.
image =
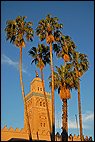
(37, 111)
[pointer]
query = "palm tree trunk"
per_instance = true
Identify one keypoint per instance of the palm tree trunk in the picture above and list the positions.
(64, 118)
(64, 121)
(48, 115)
(23, 95)
(79, 108)
(52, 92)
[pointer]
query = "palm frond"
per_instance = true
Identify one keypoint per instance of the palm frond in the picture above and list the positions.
(40, 55)
(49, 25)
(18, 30)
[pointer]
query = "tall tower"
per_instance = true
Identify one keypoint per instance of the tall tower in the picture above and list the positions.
(37, 112)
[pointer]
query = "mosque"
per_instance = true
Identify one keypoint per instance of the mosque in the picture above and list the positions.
(37, 113)
(36, 109)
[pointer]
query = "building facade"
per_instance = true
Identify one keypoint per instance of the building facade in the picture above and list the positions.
(37, 114)
(36, 108)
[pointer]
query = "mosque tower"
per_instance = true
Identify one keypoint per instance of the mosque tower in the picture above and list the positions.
(36, 108)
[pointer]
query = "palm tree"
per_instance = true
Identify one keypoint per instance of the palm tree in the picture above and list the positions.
(64, 81)
(47, 29)
(16, 31)
(41, 56)
(64, 49)
(81, 65)
(76, 63)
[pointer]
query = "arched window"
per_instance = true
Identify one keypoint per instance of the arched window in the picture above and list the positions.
(43, 104)
(41, 124)
(44, 124)
(40, 103)
(40, 89)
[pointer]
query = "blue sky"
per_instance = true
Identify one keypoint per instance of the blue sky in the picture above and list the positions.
(78, 20)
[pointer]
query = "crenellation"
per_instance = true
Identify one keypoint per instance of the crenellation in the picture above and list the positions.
(17, 130)
(23, 130)
(11, 129)
(5, 128)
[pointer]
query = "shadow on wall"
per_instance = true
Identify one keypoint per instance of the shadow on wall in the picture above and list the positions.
(19, 139)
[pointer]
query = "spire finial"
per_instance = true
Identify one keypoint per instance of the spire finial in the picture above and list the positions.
(36, 73)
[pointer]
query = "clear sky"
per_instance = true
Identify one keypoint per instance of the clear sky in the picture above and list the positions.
(78, 20)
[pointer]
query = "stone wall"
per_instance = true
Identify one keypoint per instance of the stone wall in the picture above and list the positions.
(7, 134)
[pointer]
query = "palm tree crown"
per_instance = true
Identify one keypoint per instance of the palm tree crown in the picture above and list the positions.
(48, 28)
(40, 55)
(80, 63)
(64, 48)
(18, 29)
(64, 77)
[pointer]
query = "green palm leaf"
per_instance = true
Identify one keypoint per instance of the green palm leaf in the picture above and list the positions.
(40, 55)
(17, 30)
